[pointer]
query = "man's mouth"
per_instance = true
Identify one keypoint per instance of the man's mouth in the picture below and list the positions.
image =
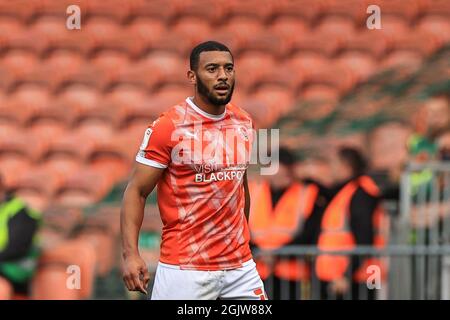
(222, 89)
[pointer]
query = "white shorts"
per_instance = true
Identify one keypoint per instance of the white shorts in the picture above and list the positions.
(172, 283)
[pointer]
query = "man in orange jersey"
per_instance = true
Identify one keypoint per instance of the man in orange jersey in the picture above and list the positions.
(196, 153)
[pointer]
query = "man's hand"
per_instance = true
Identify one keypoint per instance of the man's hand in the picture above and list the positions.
(142, 182)
(135, 274)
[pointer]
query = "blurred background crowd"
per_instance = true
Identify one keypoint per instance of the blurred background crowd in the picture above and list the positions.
(355, 107)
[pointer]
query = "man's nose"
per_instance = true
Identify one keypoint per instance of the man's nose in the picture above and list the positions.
(222, 75)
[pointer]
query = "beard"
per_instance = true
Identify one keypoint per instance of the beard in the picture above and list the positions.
(216, 101)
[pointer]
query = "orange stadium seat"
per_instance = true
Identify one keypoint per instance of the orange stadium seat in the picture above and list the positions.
(267, 42)
(104, 244)
(316, 42)
(61, 165)
(58, 68)
(49, 283)
(194, 29)
(106, 216)
(46, 129)
(279, 99)
(20, 9)
(160, 9)
(120, 98)
(212, 11)
(70, 144)
(319, 92)
(84, 187)
(131, 136)
(51, 279)
(362, 65)
(340, 27)
(104, 114)
(9, 113)
(317, 110)
(25, 101)
(78, 97)
(110, 159)
(354, 9)
(9, 28)
(110, 63)
(435, 7)
(148, 30)
(258, 109)
(397, 8)
(7, 128)
(145, 112)
(53, 8)
(242, 28)
(306, 62)
(288, 27)
(114, 9)
(402, 58)
(252, 64)
(48, 30)
(167, 96)
(366, 41)
(259, 9)
(100, 31)
(88, 76)
(6, 289)
(304, 9)
(37, 187)
(21, 144)
(281, 75)
(140, 75)
(393, 27)
(340, 77)
(95, 130)
(12, 167)
(19, 63)
(173, 43)
(436, 26)
(163, 66)
(420, 42)
(135, 130)
(55, 113)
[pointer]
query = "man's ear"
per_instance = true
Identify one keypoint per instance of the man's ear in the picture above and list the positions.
(192, 77)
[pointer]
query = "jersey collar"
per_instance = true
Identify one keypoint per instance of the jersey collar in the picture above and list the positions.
(203, 113)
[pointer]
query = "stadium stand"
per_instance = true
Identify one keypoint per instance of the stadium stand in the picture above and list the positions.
(75, 103)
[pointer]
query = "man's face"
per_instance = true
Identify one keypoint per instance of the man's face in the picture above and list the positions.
(437, 115)
(215, 76)
(341, 169)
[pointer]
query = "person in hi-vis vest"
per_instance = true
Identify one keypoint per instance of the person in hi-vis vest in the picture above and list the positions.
(280, 209)
(353, 217)
(19, 249)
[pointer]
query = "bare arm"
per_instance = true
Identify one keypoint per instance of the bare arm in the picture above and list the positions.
(247, 198)
(141, 184)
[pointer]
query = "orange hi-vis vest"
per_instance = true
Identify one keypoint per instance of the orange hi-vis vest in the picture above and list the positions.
(336, 234)
(273, 227)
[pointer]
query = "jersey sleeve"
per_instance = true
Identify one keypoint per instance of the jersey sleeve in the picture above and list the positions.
(156, 146)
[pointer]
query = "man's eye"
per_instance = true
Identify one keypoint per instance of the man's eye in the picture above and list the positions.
(229, 69)
(212, 69)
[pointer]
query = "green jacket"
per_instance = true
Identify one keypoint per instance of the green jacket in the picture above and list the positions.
(18, 240)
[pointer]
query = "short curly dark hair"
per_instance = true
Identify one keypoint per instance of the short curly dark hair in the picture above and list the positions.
(205, 46)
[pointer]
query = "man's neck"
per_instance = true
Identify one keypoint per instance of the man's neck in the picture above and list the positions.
(203, 104)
